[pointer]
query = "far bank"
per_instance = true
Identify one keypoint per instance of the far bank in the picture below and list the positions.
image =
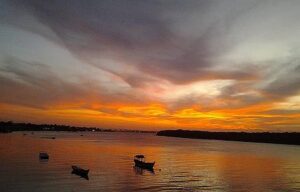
(292, 138)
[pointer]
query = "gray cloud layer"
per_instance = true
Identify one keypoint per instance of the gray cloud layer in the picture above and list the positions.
(144, 42)
(144, 35)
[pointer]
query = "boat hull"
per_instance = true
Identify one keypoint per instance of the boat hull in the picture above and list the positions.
(80, 171)
(144, 165)
(44, 156)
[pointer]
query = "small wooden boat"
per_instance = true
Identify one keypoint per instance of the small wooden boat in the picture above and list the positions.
(44, 155)
(139, 161)
(79, 171)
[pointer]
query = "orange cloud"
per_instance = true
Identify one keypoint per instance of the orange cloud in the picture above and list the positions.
(151, 116)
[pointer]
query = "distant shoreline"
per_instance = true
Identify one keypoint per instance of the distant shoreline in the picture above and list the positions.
(9, 126)
(290, 138)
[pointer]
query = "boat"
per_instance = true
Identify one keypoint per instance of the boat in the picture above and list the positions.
(44, 155)
(142, 171)
(139, 161)
(79, 171)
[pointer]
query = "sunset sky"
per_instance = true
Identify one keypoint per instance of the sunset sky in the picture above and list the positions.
(151, 65)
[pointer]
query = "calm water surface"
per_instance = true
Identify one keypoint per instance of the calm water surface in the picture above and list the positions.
(181, 164)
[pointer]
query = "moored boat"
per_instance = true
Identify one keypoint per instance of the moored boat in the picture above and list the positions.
(139, 161)
(79, 171)
(44, 155)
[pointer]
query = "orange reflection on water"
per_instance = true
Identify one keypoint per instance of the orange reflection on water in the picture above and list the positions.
(251, 172)
(181, 164)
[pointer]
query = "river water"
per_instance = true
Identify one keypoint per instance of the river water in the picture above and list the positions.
(181, 164)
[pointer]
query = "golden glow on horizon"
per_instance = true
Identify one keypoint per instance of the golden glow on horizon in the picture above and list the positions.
(152, 117)
(192, 114)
